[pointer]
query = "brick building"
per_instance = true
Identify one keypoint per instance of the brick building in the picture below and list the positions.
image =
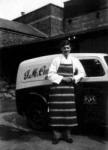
(40, 32)
(12, 36)
(88, 20)
(85, 20)
(14, 33)
(48, 19)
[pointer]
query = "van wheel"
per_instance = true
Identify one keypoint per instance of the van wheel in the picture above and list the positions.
(37, 116)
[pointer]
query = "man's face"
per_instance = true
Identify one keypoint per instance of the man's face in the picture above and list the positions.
(66, 50)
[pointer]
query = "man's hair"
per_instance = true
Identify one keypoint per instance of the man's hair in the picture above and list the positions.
(65, 42)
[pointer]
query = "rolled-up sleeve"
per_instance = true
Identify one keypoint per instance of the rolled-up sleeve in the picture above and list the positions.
(80, 70)
(52, 73)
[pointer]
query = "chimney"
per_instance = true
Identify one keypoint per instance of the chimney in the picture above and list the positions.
(22, 13)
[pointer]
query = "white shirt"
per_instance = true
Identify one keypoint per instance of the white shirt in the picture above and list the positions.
(52, 73)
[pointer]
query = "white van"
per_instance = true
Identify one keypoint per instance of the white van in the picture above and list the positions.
(32, 89)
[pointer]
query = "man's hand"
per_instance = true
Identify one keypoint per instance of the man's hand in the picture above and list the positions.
(67, 80)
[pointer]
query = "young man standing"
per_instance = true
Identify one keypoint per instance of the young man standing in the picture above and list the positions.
(62, 106)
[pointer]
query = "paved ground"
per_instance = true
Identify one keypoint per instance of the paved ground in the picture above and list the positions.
(15, 135)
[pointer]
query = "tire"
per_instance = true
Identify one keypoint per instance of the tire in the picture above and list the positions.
(37, 112)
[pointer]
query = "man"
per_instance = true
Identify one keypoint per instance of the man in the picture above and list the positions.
(62, 107)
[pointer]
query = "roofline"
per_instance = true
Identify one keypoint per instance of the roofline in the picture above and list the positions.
(37, 10)
(15, 31)
(62, 36)
(71, 34)
(13, 23)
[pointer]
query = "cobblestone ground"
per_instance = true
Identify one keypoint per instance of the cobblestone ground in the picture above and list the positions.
(15, 135)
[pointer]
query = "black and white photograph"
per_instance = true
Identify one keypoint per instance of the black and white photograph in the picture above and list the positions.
(54, 75)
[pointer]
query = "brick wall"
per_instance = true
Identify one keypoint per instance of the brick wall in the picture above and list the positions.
(56, 27)
(7, 96)
(56, 21)
(9, 38)
(96, 44)
(52, 24)
(93, 20)
(57, 11)
(34, 15)
(1, 43)
(75, 8)
(43, 25)
(48, 19)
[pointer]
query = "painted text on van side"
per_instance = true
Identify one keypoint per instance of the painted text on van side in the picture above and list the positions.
(36, 72)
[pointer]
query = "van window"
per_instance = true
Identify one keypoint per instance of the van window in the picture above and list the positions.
(93, 67)
(106, 59)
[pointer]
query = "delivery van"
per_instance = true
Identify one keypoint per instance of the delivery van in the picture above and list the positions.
(32, 90)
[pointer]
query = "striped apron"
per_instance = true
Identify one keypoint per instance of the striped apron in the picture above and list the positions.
(62, 107)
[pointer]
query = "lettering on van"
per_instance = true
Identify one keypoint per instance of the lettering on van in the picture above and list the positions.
(36, 72)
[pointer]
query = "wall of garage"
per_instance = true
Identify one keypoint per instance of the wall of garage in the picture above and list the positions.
(95, 45)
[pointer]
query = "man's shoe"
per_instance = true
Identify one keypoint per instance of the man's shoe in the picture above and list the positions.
(56, 137)
(69, 140)
(55, 141)
(68, 137)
